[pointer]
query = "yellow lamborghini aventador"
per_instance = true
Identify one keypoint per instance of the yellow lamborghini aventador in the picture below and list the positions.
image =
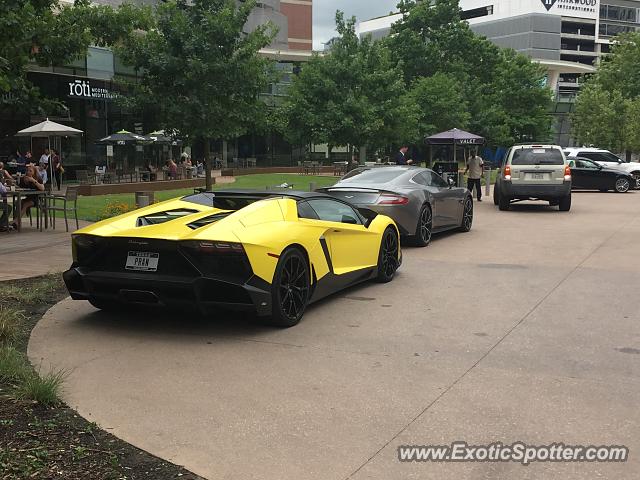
(272, 253)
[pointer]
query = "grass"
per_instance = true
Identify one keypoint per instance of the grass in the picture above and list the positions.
(13, 366)
(11, 321)
(44, 389)
(92, 208)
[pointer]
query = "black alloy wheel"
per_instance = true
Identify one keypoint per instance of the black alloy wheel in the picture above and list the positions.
(467, 215)
(422, 238)
(290, 289)
(388, 257)
(622, 185)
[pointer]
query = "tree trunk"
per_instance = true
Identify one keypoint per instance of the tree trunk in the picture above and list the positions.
(207, 164)
(628, 155)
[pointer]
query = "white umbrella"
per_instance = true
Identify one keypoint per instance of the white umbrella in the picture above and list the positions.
(49, 129)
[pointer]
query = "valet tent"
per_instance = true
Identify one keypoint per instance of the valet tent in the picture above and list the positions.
(455, 138)
(49, 129)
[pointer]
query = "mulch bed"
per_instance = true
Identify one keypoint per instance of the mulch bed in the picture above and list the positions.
(55, 442)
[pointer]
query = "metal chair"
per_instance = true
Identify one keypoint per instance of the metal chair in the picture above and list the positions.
(68, 199)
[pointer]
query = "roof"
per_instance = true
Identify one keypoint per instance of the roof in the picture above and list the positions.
(261, 194)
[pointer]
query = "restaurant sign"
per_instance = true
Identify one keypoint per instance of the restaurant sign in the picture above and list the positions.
(83, 89)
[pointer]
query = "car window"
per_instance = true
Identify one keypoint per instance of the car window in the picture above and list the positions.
(601, 157)
(586, 164)
(373, 176)
(305, 211)
(421, 179)
(334, 211)
(436, 180)
(537, 156)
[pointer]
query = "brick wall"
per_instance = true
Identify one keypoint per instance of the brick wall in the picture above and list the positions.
(300, 17)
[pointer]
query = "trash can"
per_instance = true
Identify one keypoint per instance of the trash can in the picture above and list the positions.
(144, 199)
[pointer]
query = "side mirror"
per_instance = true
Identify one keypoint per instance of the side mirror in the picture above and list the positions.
(451, 182)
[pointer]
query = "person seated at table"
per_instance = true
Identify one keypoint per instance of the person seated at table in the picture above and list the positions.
(172, 169)
(30, 181)
(5, 175)
(44, 176)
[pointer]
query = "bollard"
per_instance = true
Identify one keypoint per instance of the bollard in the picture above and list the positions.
(142, 201)
(487, 181)
(461, 179)
(312, 186)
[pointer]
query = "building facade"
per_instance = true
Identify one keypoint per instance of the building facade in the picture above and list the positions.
(87, 90)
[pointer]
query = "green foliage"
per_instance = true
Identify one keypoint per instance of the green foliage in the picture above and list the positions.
(13, 366)
(10, 325)
(351, 96)
(47, 33)
(43, 389)
(608, 106)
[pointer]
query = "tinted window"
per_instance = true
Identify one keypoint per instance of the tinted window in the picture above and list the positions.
(436, 180)
(305, 211)
(333, 211)
(373, 176)
(421, 179)
(600, 156)
(537, 156)
(586, 164)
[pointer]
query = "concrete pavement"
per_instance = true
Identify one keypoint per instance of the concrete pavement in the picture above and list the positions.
(526, 329)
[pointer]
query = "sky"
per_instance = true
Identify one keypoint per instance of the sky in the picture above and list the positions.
(324, 13)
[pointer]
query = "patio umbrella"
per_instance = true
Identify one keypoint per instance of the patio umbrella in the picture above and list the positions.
(159, 138)
(123, 137)
(455, 137)
(49, 129)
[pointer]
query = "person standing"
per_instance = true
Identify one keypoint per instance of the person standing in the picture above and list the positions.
(58, 170)
(44, 158)
(400, 157)
(474, 168)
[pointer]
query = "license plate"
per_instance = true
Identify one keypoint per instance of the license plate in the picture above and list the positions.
(537, 176)
(142, 261)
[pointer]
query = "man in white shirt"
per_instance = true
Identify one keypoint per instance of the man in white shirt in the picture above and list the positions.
(475, 166)
(42, 171)
(44, 158)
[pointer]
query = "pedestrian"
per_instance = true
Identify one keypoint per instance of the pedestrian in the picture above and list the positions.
(58, 169)
(474, 168)
(44, 158)
(401, 155)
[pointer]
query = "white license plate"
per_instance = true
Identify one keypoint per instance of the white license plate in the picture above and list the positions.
(142, 261)
(537, 176)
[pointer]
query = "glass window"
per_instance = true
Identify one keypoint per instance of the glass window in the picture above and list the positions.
(305, 211)
(601, 157)
(436, 180)
(537, 156)
(421, 179)
(334, 211)
(372, 176)
(586, 164)
(100, 63)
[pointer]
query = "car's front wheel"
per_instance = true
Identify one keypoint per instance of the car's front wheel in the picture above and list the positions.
(290, 289)
(422, 238)
(622, 185)
(467, 215)
(388, 256)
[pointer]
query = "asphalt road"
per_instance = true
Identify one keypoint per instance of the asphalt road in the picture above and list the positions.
(526, 329)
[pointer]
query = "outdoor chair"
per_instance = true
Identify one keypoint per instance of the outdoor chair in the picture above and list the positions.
(69, 205)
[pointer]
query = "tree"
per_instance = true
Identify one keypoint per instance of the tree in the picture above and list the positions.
(504, 91)
(202, 72)
(49, 33)
(353, 95)
(607, 108)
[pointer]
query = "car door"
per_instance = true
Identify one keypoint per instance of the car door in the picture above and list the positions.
(578, 174)
(594, 177)
(351, 245)
(449, 200)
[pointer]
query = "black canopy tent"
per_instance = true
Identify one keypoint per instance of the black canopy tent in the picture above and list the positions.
(454, 137)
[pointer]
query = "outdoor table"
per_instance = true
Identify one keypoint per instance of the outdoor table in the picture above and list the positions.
(340, 168)
(18, 194)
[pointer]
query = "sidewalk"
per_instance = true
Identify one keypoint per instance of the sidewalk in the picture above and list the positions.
(32, 253)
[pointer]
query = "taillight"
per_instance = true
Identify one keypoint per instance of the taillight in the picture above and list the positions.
(214, 247)
(507, 172)
(567, 172)
(84, 247)
(392, 199)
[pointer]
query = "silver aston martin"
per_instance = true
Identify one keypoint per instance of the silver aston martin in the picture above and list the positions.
(418, 199)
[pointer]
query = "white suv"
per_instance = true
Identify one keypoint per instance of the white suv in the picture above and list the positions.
(606, 159)
(534, 172)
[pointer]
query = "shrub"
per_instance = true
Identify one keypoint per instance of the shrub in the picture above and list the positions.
(114, 209)
(42, 389)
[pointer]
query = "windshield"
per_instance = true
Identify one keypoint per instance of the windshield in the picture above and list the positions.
(373, 176)
(537, 156)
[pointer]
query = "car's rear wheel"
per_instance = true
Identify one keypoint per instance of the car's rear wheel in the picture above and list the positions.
(503, 202)
(565, 203)
(422, 238)
(388, 256)
(622, 185)
(290, 289)
(467, 215)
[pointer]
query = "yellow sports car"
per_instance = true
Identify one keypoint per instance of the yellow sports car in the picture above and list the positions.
(268, 252)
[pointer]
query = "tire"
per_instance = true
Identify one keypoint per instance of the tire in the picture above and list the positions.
(467, 215)
(622, 185)
(503, 203)
(636, 175)
(422, 237)
(388, 256)
(290, 289)
(565, 203)
(496, 200)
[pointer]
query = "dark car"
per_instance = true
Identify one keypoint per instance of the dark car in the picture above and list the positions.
(418, 199)
(588, 175)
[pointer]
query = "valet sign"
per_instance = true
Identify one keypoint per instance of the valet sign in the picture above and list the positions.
(573, 8)
(83, 89)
